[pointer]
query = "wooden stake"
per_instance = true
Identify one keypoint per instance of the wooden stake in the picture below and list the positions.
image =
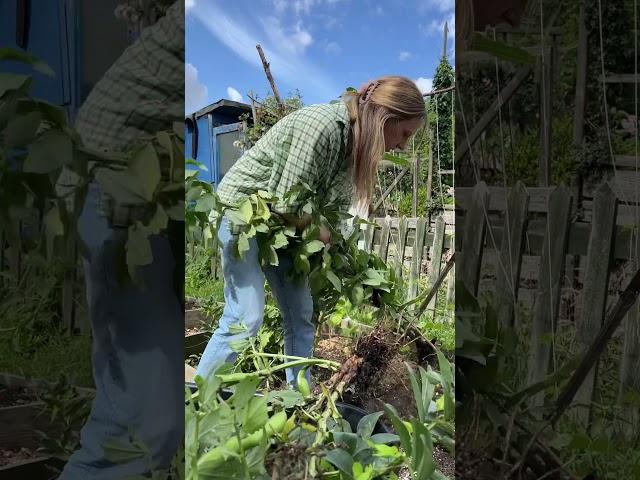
(267, 71)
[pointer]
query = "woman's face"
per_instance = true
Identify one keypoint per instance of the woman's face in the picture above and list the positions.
(494, 12)
(397, 132)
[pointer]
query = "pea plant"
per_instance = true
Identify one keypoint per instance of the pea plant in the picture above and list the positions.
(243, 433)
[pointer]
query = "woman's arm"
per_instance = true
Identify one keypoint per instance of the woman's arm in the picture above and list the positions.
(302, 222)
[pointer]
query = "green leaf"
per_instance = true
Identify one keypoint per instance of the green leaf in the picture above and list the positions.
(384, 438)
(341, 460)
(17, 55)
(121, 185)
(500, 50)
(280, 240)
(256, 415)
(246, 211)
(52, 113)
(287, 398)
(49, 153)
(335, 281)
(399, 426)
(262, 228)
(145, 166)
(313, 247)
(243, 244)
(302, 264)
(367, 424)
(11, 81)
(206, 203)
(21, 129)
(357, 296)
(396, 159)
(138, 248)
(347, 440)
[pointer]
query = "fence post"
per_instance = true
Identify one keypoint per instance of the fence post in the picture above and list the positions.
(506, 291)
(547, 297)
(418, 253)
(383, 249)
(596, 282)
(401, 246)
(473, 238)
(436, 264)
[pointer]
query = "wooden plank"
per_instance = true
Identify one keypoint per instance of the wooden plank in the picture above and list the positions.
(626, 185)
(368, 237)
(594, 293)
(620, 78)
(401, 245)
(625, 162)
(505, 94)
(386, 193)
(19, 424)
(436, 264)
(546, 124)
(474, 228)
(581, 78)
(538, 198)
(383, 249)
(451, 288)
(416, 261)
(512, 244)
(547, 298)
(630, 366)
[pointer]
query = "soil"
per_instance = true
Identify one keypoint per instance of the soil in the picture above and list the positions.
(388, 384)
(18, 455)
(10, 397)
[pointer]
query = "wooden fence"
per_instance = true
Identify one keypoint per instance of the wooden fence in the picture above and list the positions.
(29, 232)
(409, 245)
(534, 234)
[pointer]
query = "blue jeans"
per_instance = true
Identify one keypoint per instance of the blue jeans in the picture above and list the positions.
(244, 296)
(138, 353)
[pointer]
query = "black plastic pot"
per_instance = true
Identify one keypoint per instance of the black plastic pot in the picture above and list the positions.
(350, 413)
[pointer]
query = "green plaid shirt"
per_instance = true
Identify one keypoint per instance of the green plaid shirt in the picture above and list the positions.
(141, 94)
(308, 145)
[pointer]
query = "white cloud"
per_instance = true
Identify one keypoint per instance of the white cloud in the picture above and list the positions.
(196, 93)
(425, 85)
(234, 94)
(443, 6)
(301, 7)
(241, 38)
(280, 5)
(294, 42)
(403, 56)
(333, 48)
(189, 4)
(379, 10)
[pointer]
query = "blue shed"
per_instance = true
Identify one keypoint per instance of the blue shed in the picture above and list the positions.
(210, 135)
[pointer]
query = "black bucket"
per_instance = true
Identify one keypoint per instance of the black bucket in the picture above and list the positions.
(350, 413)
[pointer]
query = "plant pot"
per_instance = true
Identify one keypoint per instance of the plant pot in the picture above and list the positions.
(350, 413)
(195, 344)
(194, 318)
(47, 468)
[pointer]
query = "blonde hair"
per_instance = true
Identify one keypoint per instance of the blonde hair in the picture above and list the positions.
(388, 98)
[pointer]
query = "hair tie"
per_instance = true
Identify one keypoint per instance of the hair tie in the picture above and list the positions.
(366, 94)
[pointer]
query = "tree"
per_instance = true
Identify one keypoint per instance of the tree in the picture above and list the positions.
(441, 125)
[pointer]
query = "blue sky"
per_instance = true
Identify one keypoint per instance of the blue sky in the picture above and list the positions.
(319, 47)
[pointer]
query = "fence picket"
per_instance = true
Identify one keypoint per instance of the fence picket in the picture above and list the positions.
(401, 245)
(596, 281)
(470, 257)
(416, 261)
(506, 291)
(383, 249)
(547, 297)
(436, 263)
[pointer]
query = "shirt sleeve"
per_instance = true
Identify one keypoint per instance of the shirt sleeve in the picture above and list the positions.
(302, 149)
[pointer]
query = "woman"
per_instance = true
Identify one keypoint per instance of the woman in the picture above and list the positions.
(335, 148)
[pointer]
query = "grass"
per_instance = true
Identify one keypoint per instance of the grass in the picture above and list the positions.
(33, 341)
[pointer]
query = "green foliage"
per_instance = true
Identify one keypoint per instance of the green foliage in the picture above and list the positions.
(268, 113)
(441, 120)
(525, 153)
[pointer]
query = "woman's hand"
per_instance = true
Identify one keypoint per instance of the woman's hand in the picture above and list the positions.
(325, 235)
